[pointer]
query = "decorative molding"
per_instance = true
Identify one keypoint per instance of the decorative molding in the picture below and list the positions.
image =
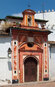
(46, 11)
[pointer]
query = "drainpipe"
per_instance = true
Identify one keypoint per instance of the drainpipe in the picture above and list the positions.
(50, 50)
(10, 32)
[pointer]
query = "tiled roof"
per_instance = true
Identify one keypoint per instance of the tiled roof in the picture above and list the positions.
(21, 18)
(36, 30)
(3, 33)
(51, 42)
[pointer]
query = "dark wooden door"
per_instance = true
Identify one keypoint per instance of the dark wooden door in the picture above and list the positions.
(30, 70)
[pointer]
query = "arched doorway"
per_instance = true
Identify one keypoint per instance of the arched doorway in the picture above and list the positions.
(30, 69)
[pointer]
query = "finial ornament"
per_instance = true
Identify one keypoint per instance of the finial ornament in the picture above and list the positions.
(29, 4)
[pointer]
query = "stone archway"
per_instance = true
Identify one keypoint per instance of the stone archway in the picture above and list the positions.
(30, 69)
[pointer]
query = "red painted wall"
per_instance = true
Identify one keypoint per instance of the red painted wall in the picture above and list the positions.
(37, 49)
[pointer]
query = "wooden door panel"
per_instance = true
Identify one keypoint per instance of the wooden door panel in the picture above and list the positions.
(30, 68)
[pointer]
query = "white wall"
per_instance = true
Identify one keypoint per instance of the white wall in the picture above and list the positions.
(5, 43)
(52, 63)
(51, 37)
(5, 69)
(50, 16)
(5, 62)
(50, 25)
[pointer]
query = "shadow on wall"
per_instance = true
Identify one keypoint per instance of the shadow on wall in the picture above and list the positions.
(9, 66)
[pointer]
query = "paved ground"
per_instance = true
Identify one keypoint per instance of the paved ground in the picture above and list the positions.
(32, 84)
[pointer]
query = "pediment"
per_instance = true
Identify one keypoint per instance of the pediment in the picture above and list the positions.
(29, 11)
(34, 48)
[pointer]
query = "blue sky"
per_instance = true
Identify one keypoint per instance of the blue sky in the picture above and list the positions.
(9, 7)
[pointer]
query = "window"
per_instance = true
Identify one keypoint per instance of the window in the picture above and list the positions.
(45, 70)
(29, 20)
(15, 72)
(45, 44)
(15, 43)
(30, 44)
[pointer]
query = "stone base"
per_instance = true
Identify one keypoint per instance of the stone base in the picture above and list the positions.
(45, 79)
(15, 81)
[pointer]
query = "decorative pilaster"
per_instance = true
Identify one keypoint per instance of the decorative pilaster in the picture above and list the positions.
(15, 63)
(46, 60)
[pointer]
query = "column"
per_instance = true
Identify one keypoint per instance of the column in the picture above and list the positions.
(15, 62)
(46, 62)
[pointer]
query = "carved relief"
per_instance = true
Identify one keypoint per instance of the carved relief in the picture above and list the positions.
(34, 48)
(14, 59)
(45, 38)
(38, 39)
(22, 39)
(45, 60)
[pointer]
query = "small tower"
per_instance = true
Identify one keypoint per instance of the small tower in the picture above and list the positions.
(28, 19)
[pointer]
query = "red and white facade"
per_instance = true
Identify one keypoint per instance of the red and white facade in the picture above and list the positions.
(30, 60)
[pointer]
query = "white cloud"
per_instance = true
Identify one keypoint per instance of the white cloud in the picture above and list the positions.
(18, 14)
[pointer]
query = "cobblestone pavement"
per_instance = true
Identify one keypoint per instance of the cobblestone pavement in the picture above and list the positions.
(32, 84)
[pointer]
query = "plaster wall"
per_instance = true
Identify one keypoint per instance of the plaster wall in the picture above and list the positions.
(50, 25)
(5, 70)
(52, 63)
(51, 36)
(5, 43)
(5, 62)
(50, 16)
